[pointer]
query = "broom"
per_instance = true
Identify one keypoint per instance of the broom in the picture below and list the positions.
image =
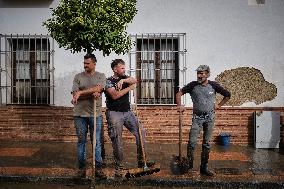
(145, 170)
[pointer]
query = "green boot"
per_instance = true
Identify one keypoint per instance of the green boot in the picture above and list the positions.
(190, 157)
(204, 163)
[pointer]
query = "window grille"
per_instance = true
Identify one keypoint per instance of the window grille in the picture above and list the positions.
(27, 69)
(158, 61)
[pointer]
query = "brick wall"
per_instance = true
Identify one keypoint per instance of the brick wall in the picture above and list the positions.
(50, 123)
(44, 123)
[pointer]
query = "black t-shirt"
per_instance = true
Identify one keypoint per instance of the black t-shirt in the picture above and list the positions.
(121, 104)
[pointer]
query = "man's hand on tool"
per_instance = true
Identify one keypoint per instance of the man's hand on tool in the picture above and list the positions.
(217, 106)
(97, 95)
(119, 85)
(132, 87)
(76, 96)
(180, 108)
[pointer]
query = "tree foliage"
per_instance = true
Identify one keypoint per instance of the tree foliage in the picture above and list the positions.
(91, 25)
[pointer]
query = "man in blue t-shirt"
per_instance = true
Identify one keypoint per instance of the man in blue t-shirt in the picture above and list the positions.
(203, 95)
(88, 85)
(119, 114)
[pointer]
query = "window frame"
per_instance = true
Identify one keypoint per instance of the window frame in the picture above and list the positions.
(34, 55)
(157, 60)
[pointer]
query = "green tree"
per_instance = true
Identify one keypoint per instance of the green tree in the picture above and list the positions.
(91, 25)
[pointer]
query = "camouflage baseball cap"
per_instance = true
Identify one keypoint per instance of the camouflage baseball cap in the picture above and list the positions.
(203, 68)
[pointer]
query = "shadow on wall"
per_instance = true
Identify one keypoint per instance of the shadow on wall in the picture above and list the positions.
(63, 87)
(246, 85)
(25, 3)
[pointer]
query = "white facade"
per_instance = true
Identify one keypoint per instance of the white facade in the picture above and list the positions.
(224, 34)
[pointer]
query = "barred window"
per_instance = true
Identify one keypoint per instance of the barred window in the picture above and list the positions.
(26, 69)
(157, 67)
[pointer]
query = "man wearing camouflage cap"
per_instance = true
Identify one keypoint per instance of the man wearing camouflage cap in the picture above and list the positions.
(203, 95)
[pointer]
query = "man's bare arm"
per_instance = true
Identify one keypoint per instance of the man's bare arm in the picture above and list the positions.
(223, 101)
(116, 94)
(178, 97)
(86, 92)
(129, 80)
(178, 100)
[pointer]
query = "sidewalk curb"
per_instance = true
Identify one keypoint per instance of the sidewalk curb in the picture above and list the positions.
(146, 182)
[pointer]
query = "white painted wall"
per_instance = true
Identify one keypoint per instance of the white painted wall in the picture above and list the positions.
(224, 34)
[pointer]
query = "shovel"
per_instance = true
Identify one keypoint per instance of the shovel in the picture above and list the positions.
(179, 164)
(94, 140)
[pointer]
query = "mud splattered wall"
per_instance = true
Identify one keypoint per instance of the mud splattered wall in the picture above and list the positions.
(246, 85)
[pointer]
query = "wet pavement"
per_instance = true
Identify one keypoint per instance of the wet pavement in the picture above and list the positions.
(54, 163)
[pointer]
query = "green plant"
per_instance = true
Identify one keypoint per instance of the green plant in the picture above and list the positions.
(91, 25)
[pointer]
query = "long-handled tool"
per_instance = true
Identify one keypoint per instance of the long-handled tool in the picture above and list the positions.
(94, 139)
(179, 164)
(145, 170)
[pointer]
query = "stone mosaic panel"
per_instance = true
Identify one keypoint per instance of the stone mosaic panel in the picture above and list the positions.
(246, 85)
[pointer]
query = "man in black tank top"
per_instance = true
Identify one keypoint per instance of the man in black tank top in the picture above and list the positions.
(118, 113)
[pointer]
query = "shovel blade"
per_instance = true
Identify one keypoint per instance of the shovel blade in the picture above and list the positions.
(179, 165)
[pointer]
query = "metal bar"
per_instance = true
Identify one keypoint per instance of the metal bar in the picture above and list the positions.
(172, 72)
(166, 70)
(161, 34)
(53, 71)
(184, 64)
(143, 68)
(25, 36)
(133, 70)
(40, 70)
(34, 71)
(24, 61)
(148, 73)
(133, 52)
(160, 71)
(6, 68)
(17, 63)
(135, 58)
(130, 66)
(154, 65)
(30, 83)
(47, 71)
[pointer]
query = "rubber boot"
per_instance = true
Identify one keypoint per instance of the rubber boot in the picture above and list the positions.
(190, 157)
(81, 172)
(204, 163)
(100, 174)
(118, 169)
(103, 152)
(82, 169)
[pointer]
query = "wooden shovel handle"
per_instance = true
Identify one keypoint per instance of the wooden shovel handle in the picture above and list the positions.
(180, 135)
(139, 129)
(94, 137)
